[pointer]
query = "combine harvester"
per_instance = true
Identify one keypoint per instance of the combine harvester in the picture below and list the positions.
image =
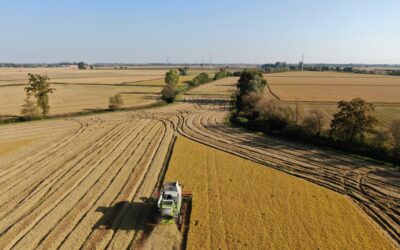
(174, 205)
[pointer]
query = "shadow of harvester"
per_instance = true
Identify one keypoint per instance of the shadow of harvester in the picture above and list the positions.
(125, 215)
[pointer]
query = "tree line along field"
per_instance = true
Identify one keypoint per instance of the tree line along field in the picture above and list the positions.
(385, 111)
(84, 90)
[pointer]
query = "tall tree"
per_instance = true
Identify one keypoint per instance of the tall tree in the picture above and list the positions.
(249, 81)
(168, 93)
(172, 77)
(81, 65)
(39, 87)
(352, 121)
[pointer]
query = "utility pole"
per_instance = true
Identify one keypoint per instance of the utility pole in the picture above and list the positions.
(302, 63)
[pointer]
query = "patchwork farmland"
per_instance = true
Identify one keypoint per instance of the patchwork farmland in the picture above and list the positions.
(324, 89)
(84, 91)
(85, 184)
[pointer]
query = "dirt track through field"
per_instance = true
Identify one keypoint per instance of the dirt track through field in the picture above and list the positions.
(82, 186)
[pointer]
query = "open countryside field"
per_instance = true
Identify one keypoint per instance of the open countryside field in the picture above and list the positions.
(84, 90)
(359, 179)
(79, 182)
(81, 185)
(323, 89)
(225, 86)
(333, 87)
(12, 76)
(77, 98)
(160, 82)
(240, 204)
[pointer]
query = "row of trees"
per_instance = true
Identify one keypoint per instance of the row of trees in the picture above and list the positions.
(284, 67)
(353, 127)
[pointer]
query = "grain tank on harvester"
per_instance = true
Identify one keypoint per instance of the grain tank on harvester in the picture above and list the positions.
(173, 204)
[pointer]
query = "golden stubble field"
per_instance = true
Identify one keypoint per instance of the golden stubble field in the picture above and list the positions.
(84, 90)
(15, 76)
(81, 185)
(322, 90)
(225, 86)
(240, 204)
(333, 87)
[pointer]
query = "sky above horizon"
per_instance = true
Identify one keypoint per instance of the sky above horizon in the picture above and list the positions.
(253, 31)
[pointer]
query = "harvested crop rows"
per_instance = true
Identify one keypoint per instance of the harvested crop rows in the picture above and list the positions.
(56, 197)
(329, 169)
(81, 186)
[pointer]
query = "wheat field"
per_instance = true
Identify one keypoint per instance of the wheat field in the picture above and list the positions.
(13, 76)
(225, 86)
(84, 90)
(333, 87)
(76, 98)
(240, 204)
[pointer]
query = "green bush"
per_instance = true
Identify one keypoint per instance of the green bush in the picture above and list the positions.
(200, 79)
(221, 74)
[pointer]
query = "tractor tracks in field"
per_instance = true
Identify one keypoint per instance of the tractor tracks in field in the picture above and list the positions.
(85, 189)
(38, 209)
(58, 200)
(341, 173)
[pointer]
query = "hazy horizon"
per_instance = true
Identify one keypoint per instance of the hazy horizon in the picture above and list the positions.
(254, 32)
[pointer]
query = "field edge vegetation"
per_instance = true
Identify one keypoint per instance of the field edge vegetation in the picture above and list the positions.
(352, 129)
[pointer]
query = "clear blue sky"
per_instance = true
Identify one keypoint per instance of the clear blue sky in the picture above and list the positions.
(341, 31)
